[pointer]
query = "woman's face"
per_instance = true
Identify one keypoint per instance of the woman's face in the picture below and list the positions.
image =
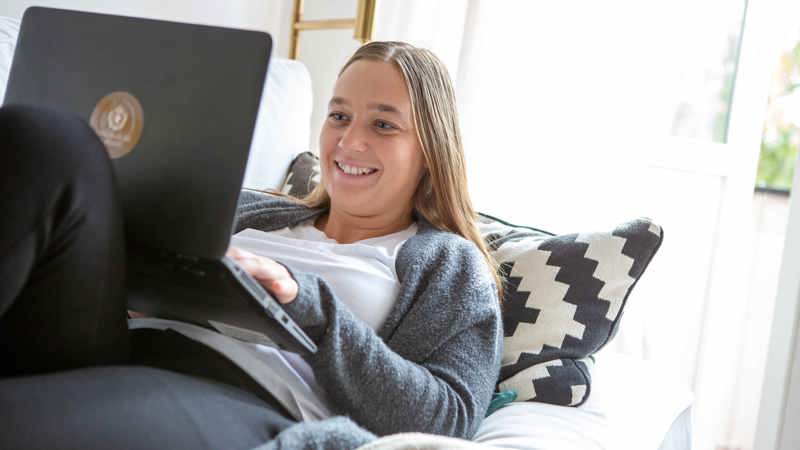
(371, 159)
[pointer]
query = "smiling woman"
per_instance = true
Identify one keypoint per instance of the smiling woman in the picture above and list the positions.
(391, 231)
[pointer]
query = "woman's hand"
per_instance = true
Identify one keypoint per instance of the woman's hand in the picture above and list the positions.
(273, 276)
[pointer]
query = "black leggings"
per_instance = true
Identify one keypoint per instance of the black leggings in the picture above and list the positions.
(62, 315)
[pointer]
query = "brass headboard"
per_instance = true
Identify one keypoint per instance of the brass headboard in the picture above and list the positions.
(361, 24)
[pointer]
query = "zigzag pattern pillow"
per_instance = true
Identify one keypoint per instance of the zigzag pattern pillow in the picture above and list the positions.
(563, 297)
(563, 300)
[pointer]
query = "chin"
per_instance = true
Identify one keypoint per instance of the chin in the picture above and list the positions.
(354, 207)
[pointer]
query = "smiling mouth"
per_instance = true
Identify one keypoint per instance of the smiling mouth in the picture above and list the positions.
(355, 170)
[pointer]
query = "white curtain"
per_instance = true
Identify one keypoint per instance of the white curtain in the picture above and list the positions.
(578, 115)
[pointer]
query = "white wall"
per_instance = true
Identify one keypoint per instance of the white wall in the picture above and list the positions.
(324, 52)
(272, 16)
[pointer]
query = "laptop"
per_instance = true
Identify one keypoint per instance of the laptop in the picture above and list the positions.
(175, 105)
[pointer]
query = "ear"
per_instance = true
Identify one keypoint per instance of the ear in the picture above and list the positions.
(424, 183)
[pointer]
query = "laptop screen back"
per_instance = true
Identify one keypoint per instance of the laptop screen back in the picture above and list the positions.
(175, 103)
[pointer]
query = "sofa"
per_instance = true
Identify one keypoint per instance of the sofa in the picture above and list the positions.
(559, 387)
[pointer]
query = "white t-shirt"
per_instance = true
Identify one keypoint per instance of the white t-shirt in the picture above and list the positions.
(362, 276)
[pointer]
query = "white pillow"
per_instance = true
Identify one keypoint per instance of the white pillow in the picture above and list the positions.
(9, 29)
(283, 127)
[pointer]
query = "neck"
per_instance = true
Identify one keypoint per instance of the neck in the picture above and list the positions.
(346, 228)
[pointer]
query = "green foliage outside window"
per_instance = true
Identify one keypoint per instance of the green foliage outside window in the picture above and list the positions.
(781, 136)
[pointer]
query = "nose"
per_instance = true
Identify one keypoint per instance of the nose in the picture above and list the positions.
(353, 138)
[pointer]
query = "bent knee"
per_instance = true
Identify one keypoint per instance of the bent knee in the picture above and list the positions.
(36, 138)
(43, 145)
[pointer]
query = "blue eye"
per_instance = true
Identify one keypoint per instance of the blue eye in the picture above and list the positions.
(384, 125)
(337, 117)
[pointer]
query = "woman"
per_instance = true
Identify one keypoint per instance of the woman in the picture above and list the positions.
(382, 265)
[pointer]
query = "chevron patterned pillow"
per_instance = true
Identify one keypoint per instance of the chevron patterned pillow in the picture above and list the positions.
(563, 301)
(563, 295)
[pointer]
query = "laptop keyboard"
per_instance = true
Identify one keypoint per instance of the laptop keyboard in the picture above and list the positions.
(189, 272)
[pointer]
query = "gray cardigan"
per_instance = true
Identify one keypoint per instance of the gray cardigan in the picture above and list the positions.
(431, 367)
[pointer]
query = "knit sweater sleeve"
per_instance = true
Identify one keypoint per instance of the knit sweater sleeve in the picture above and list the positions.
(437, 370)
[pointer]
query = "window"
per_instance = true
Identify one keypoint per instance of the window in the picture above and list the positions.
(781, 137)
(707, 50)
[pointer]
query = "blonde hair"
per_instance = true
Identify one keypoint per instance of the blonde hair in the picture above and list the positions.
(442, 197)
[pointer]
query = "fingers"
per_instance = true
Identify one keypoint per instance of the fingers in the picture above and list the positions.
(273, 276)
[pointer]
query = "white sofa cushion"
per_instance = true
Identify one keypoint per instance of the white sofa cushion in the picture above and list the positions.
(9, 28)
(283, 127)
(632, 407)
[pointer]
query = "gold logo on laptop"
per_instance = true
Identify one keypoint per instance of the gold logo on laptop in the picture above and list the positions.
(118, 120)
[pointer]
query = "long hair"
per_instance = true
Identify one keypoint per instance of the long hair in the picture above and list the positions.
(442, 197)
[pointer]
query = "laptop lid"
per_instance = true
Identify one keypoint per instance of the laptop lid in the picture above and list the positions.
(175, 104)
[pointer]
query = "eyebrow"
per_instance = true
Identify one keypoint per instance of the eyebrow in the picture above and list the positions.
(382, 107)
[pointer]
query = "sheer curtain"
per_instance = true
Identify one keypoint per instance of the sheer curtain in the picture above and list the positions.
(578, 115)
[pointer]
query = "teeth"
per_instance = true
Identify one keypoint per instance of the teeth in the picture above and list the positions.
(353, 170)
